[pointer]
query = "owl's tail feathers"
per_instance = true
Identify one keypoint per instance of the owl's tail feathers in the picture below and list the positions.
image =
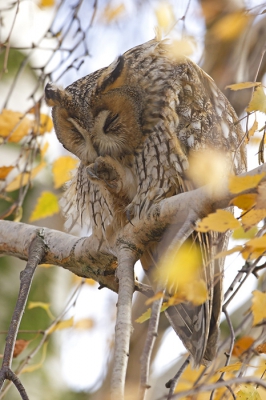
(197, 326)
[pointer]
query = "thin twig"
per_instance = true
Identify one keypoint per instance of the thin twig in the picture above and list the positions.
(219, 384)
(148, 347)
(173, 382)
(4, 69)
(71, 303)
(36, 254)
(229, 353)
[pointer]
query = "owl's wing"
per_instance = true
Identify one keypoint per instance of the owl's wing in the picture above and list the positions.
(196, 116)
(197, 326)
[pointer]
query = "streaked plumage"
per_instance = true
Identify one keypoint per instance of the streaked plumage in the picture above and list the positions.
(134, 125)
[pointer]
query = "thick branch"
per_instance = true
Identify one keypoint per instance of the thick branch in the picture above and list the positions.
(123, 328)
(83, 256)
(88, 257)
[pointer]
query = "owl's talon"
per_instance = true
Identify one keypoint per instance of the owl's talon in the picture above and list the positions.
(91, 173)
(128, 216)
(110, 185)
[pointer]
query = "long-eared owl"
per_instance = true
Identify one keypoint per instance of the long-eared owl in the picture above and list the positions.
(134, 126)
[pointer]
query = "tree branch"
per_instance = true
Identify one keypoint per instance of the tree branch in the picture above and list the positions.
(89, 258)
(36, 253)
(217, 385)
(148, 347)
(123, 327)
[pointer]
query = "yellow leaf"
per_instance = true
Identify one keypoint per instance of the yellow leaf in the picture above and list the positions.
(180, 48)
(191, 375)
(258, 307)
(144, 317)
(245, 201)
(177, 298)
(147, 314)
(86, 323)
(261, 198)
(241, 345)
(207, 167)
(44, 306)
(45, 125)
(14, 125)
(22, 179)
(228, 252)
(253, 129)
(252, 217)
(88, 281)
(179, 268)
(62, 168)
(247, 392)
(257, 243)
(255, 141)
(47, 3)
(240, 234)
(46, 265)
(243, 85)
(258, 101)
(4, 171)
(197, 292)
(31, 368)
(157, 296)
(230, 368)
(254, 248)
(113, 13)
(230, 26)
(165, 16)
(47, 205)
(182, 386)
(18, 214)
(238, 184)
(65, 324)
(44, 149)
(247, 254)
(220, 221)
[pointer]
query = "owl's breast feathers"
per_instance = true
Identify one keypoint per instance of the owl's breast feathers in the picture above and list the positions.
(149, 113)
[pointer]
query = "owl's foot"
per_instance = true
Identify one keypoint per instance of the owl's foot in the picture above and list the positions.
(114, 176)
(104, 170)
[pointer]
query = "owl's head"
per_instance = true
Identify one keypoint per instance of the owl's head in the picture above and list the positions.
(98, 115)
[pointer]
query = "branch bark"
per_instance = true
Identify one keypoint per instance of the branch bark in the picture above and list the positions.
(123, 328)
(88, 258)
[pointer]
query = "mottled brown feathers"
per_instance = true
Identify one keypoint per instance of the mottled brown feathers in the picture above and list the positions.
(134, 125)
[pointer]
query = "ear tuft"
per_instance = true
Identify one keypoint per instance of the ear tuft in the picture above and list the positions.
(54, 95)
(114, 78)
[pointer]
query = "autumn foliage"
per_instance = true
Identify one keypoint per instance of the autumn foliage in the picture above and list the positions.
(28, 136)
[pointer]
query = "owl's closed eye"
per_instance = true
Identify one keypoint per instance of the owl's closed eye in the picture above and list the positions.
(109, 125)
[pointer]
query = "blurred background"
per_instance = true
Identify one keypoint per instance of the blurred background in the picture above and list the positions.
(62, 41)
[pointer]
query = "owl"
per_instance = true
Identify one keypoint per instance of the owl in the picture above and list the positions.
(134, 125)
